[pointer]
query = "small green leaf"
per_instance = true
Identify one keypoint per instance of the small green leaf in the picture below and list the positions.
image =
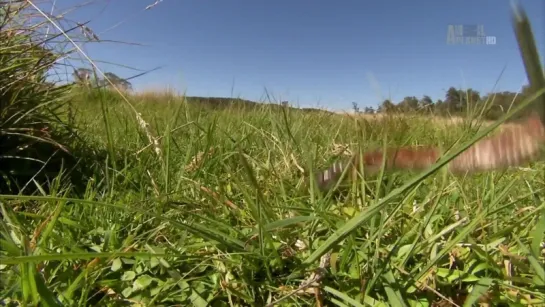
(154, 262)
(116, 264)
(197, 299)
(478, 290)
(142, 282)
(128, 276)
(127, 292)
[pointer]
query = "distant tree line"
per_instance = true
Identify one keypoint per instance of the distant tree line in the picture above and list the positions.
(456, 102)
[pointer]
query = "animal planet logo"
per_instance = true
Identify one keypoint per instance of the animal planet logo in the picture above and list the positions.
(468, 35)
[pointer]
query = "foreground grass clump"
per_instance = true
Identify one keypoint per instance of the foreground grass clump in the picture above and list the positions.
(35, 143)
(28, 108)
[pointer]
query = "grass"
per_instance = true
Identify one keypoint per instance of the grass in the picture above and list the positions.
(214, 213)
(153, 232)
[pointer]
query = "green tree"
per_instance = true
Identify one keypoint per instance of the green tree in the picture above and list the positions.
(425, 104)
(453, 100)
(386, 106)
(355, 107)
(457, 101)
(369, 110)
(409, 104)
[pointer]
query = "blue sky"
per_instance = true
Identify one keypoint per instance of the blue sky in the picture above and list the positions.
(309, 52)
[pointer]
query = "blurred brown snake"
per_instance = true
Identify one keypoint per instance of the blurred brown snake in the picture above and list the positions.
(515, 145)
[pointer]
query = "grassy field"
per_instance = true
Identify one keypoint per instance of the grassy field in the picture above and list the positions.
(213, 215)
(151, 199)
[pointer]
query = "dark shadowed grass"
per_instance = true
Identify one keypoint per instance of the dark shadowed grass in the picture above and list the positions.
(218, 217)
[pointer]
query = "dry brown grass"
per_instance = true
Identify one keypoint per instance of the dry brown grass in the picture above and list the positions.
(438, 120)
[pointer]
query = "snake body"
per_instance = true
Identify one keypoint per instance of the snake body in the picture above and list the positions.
(516, 145)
